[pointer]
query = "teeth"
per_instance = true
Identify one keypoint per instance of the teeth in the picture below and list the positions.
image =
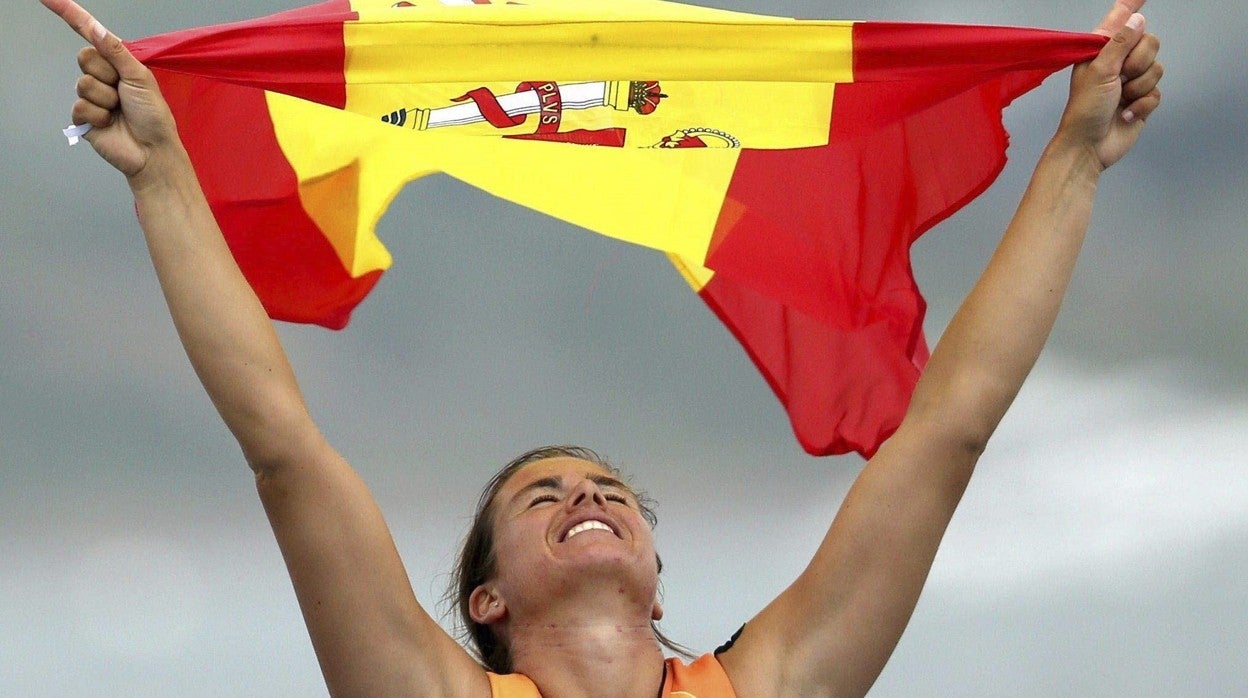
(587, 526)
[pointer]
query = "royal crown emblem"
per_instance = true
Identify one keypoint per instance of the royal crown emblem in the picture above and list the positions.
(644, 96)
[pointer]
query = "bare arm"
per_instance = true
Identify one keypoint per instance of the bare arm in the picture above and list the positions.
(833, 630)
(371, 636)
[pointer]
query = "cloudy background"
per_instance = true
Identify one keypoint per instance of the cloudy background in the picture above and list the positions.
(1101, 549)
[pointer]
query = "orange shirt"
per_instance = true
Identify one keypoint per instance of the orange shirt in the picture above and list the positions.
(705, 678)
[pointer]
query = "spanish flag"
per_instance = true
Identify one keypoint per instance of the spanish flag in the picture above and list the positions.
(784, 166)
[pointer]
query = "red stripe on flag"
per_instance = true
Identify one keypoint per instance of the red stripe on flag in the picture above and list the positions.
(887, 51)
(812, 249)
(298, 52)
(254, 194)
(843, 390)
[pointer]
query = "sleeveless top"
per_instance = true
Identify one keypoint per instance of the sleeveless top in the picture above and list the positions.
(704, 678)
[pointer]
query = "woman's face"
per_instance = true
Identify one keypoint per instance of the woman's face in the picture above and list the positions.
(565, 521)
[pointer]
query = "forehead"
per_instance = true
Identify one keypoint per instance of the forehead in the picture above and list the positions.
(566, 468)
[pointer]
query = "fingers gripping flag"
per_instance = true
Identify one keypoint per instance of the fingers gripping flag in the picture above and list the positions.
(785, 167)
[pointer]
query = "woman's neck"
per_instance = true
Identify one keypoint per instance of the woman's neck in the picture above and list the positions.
(580, 651)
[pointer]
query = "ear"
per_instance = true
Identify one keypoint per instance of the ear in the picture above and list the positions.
(486, 606)
(656, 613)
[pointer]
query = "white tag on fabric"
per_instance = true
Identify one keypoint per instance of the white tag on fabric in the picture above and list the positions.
(75, 133)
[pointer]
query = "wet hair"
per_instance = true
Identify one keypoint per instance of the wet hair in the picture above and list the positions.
(477, 562)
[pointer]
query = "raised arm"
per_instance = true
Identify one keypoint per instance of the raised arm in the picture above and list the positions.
(371, 636)
(832, 631)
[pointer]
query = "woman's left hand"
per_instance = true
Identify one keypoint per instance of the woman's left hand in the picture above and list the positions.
(1114, 94)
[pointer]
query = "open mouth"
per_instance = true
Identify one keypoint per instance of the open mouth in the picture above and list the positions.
(584, 526)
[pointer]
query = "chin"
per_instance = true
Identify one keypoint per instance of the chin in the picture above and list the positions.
(630, 579)
(609, 559)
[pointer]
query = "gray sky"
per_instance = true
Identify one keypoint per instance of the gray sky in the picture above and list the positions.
(1099, 551)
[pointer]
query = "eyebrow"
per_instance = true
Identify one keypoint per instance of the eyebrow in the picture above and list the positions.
(552, 482)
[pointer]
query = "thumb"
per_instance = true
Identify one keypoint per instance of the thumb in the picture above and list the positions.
(1117, 16)
(1110, 61)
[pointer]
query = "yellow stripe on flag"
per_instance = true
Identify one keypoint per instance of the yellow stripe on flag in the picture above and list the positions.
(590, 41)
(696, 275)
(724, 80)
(664, 199)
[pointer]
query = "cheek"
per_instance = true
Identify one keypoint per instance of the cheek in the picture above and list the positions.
(516, 544)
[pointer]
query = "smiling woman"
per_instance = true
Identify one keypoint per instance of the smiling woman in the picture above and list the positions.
(478, 560)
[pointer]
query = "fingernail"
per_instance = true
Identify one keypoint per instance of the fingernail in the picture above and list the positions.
(1128, 116)
(97, 30)
(1135, 21)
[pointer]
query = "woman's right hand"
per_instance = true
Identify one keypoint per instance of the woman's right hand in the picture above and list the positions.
(119, 97)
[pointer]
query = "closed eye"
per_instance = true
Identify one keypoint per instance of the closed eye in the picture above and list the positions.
(543, 498)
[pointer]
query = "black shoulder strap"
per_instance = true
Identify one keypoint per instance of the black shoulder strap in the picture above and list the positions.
(732, 640)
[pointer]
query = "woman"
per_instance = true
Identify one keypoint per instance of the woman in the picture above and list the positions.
(559, 578)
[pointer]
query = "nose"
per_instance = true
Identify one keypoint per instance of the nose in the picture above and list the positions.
(585, 492)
